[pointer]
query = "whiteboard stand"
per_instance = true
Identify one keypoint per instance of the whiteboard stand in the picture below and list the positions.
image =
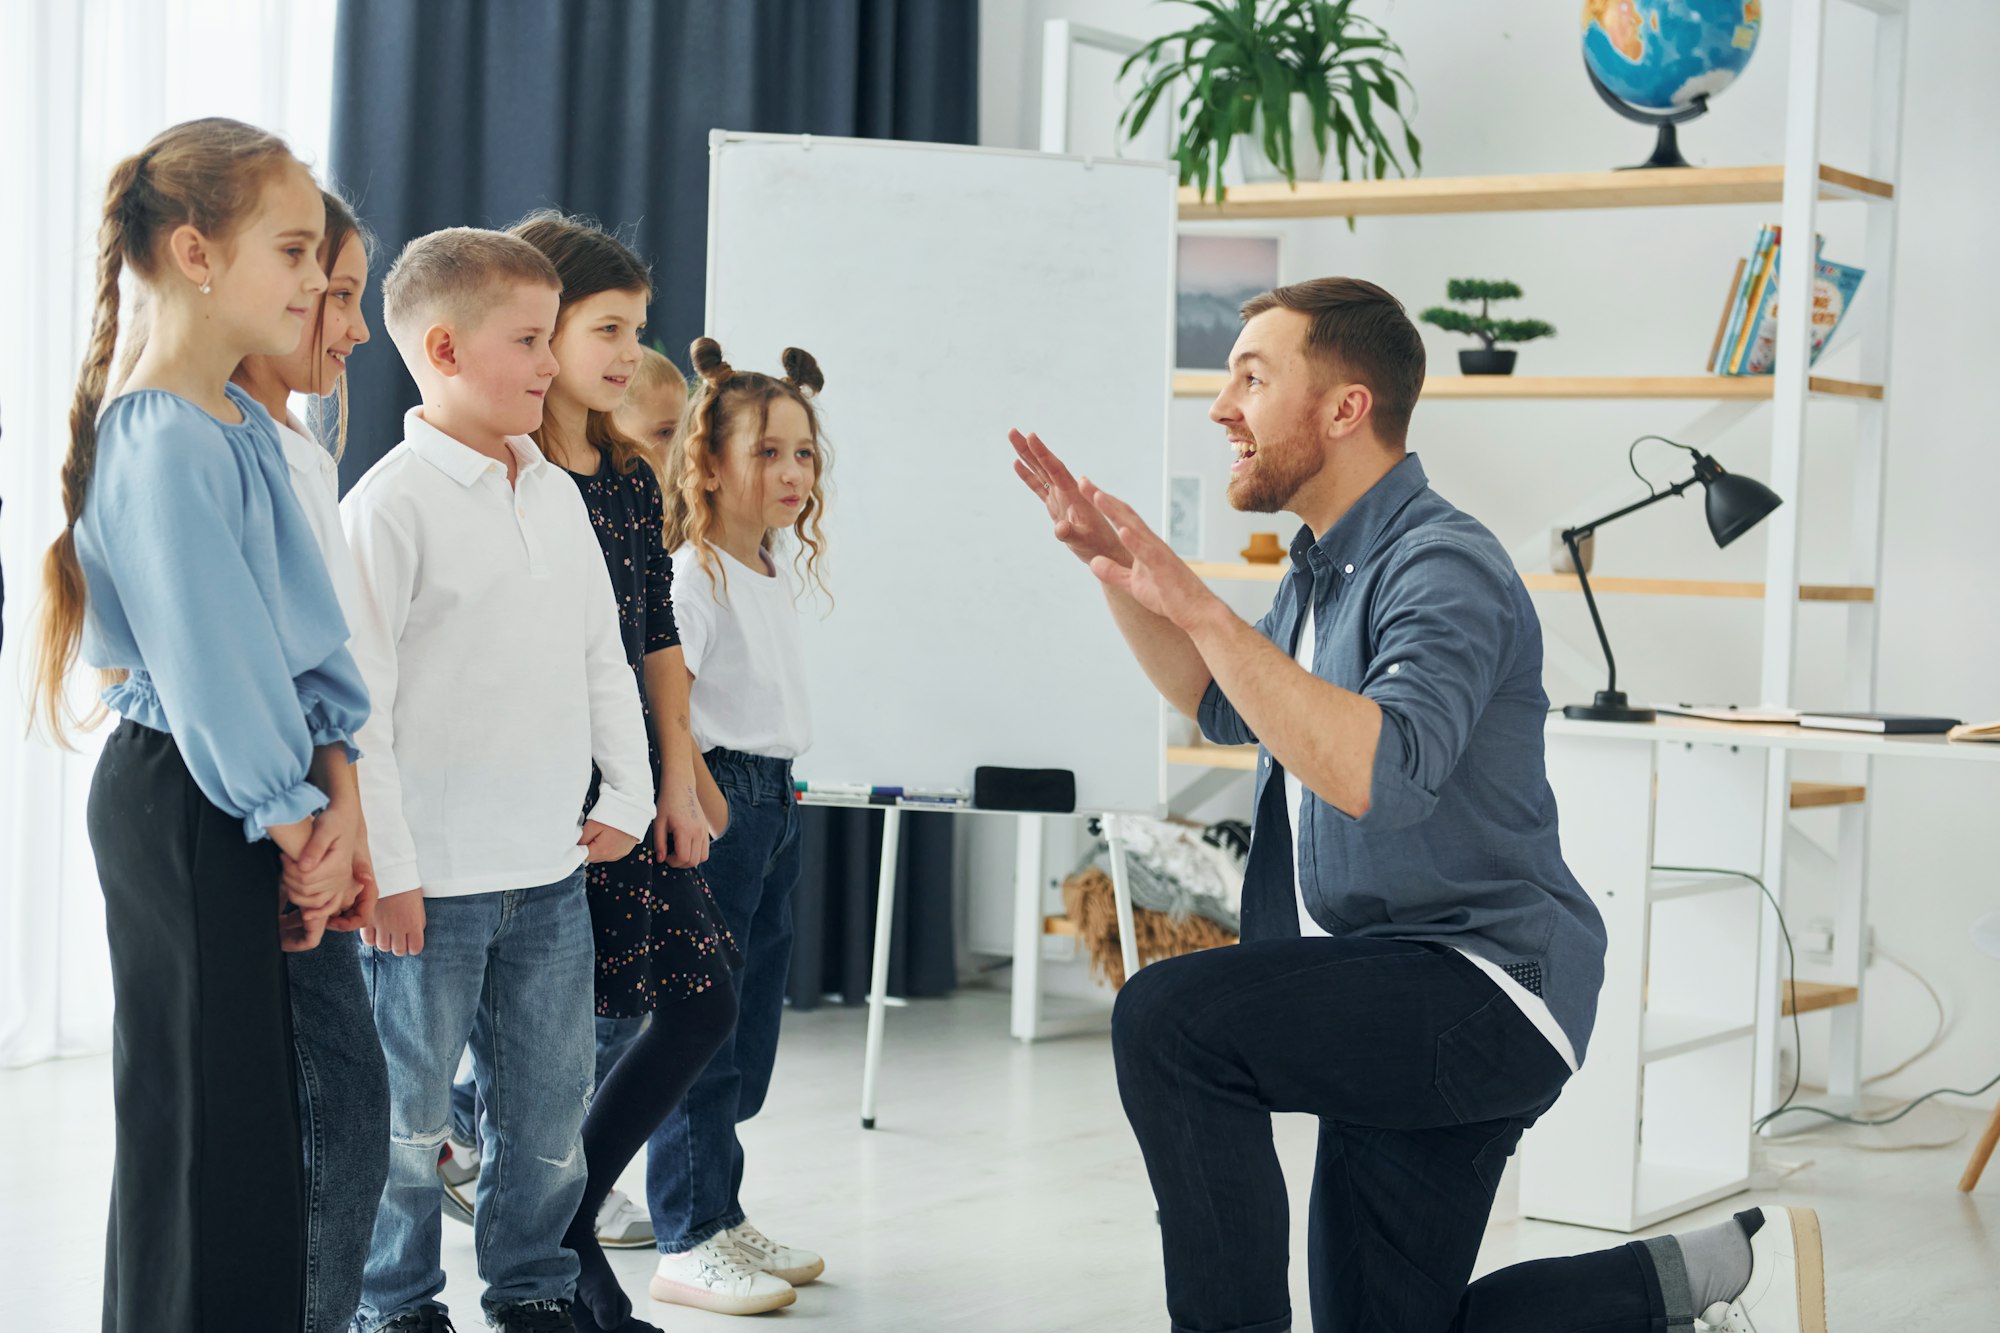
(885, 929)
(1026, 1020)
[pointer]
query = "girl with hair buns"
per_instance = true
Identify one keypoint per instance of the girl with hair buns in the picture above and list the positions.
(745, 476)
(188, 573)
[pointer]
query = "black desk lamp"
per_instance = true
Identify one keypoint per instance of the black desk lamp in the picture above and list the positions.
(1735, 505)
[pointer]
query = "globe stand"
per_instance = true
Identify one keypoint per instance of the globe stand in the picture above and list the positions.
(1666, 146)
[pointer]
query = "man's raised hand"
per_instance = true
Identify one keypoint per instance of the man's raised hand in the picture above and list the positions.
(1078, 525)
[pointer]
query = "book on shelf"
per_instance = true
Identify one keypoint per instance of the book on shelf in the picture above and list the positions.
(1749, 341)
(1747, 278)
(1975, 731)
(1770, 245)
(1728, 308)
(1881, 724)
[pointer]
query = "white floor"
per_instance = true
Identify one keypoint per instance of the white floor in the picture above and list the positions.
(1003, 1192)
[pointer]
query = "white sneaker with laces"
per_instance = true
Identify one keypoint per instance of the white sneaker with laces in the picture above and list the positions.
(718, 1277)
(623, 1225)
(797, 1267)
(1787, 1291)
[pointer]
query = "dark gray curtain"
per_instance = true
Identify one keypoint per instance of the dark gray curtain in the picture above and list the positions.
(473, 112)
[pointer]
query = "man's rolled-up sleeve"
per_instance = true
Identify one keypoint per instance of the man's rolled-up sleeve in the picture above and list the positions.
(1444, 626)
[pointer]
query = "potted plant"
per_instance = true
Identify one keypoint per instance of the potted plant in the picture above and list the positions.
(1488, 360)
(1287, 83)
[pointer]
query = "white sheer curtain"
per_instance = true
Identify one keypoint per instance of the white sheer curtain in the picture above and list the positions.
(82, 84)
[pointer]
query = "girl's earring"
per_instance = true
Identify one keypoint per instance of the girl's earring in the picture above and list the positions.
(204, 287)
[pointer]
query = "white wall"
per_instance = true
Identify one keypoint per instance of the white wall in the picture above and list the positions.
(1501, 89)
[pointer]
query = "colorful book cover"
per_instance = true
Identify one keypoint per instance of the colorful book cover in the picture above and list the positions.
(1834, 288)
(1767, 265)
(1728, 308)
(1741, 304)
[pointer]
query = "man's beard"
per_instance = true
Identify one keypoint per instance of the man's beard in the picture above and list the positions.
(1274, 476)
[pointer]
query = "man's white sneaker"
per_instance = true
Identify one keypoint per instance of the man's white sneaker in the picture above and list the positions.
(718, 1277)
(623, 1225)
(1787, 1291)
(797, 1267)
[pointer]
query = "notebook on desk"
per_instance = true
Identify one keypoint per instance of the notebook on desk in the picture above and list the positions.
(1729, 713)
(1884, 724)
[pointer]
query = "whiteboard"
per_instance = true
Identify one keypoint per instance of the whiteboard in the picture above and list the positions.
(951, 294)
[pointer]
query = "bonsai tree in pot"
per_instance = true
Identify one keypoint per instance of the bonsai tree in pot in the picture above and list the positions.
(1487, 360)
(1264, 77)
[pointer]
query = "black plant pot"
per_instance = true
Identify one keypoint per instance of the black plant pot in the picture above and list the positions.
(1487, 361)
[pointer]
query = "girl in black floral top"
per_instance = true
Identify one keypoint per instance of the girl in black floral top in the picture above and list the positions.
(661, 941)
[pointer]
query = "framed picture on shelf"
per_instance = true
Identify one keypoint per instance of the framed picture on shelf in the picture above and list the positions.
(1218, 272)
(1184, 516)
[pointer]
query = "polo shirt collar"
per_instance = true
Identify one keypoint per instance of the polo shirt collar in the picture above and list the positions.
(1361, 529)
(462, 463)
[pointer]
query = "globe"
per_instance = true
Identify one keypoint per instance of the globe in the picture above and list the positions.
(1659, 61)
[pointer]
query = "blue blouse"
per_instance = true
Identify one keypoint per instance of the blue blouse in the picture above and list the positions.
(206, 584)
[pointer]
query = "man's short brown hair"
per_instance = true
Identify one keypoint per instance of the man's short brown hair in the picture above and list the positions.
(1359, 334)
(456, 276)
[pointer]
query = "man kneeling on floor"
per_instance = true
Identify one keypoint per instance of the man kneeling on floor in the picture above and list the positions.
(1419, 969)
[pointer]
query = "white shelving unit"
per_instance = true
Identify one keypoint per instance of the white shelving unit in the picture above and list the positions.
(1684, 1070)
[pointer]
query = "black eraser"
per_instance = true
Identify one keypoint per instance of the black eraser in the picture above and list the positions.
(1035, 790)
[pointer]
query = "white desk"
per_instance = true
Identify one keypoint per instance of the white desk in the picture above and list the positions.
(1685, 1051)
(1698, 731)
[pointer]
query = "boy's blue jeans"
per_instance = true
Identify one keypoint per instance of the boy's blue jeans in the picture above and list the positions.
(511, 971)
(612, 1036)
(694, 1162)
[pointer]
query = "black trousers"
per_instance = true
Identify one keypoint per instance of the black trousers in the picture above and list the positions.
(207, 1192)
(1423, 1076)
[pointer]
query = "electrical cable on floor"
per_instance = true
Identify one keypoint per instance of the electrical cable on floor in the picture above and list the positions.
(1785, 1107)
(1937, 1035)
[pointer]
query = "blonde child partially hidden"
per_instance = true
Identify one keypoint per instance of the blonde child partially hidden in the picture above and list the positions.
(654, 402)
(745, 480)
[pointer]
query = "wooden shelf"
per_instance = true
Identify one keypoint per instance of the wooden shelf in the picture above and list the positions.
(1241, 571)
(1245, 572)
(1713, 388)
(1242, 758)
(1805, 796)
(1806, 996)
(1808, 592)
(1058, 925)
(1676, 188)
(1815, 795)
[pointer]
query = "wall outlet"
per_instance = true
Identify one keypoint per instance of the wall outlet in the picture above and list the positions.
(1816, 942)
(1816, 939)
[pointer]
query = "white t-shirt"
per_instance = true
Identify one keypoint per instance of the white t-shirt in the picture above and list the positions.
(1533, 1006)
(316, 481)
(740, 635)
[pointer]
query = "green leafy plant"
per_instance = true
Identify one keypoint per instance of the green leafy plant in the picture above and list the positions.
(1482, 325)
(1236, 60)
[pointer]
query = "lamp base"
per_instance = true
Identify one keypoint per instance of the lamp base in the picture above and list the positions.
(1609, 706)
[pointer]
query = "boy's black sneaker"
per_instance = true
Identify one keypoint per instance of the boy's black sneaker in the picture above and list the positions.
(423, 1319)
(533, 1317)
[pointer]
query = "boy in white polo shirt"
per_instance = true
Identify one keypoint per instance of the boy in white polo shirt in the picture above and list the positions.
(503, 678)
